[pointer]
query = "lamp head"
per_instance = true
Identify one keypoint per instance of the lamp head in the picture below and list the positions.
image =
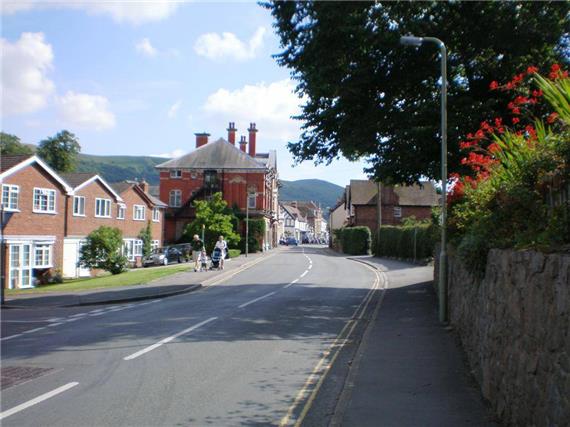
(411, 41)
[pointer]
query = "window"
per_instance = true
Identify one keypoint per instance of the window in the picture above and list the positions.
(44, 200)
(103, 208)
(176, 173)
(121, 211)
(138, 212)
(10, 197)
(132, 248)
(138, 248)
(175, 199)
(251, 201)
(155, 214)
(42, 256)
(397, 212)
(78, 206)
(154, 244)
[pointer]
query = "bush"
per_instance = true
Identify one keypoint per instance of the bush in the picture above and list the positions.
(102, 250)
(398, 241)
(253, 245)
(234, 253)
(355, 240)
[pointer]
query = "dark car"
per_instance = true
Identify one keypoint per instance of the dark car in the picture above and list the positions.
(185, 250)
(291, 241)
(163, 256)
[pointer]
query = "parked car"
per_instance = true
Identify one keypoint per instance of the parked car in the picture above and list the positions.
(163, 256)
(185, 250)
(291, 241)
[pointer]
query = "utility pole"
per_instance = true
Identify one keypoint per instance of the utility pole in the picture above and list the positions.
(378, 216)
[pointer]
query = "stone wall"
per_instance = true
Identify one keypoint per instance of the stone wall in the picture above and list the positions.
(515, 328)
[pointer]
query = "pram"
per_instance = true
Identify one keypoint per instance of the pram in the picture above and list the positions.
(215, 259)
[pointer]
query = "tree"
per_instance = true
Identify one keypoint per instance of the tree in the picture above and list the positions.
(367, 97)
(146, 236)
(10, 145)
(60, 151)
(217, 219)
(102, 250)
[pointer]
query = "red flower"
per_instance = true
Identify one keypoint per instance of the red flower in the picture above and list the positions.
(479, 134)
(494, 147)
(516, 110)
(494, 85)
(537, 93)
(498, 121)
(532, 69)
(555, 68)
(521, 100)
(511, 105)
(552, 118)
(516, 120)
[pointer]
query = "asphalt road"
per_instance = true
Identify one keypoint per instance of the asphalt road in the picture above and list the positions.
(247, 351)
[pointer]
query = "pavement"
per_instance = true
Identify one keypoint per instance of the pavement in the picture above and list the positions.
(409, 369)
(168, 286)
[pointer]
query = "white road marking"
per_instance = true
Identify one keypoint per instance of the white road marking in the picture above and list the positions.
(34, 330)
(304, 274)
(78, 315)
(168, 339)
(97, 314)
(310, 266)
(256, 299)
(72, 320)
(55, 319)
(37, 400)
(10, 337)
(55, 324)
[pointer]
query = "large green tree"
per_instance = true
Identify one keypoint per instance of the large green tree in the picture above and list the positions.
(366, 96)
(102, 249)
(217, 220)
(60, 151)
(10, 145)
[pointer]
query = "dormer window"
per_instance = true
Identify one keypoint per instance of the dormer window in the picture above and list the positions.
(176, 173)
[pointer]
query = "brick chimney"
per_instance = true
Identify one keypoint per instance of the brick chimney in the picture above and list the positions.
(201, 139)
(252, 131)
(242, 143)
(144, 185)
(232, 133)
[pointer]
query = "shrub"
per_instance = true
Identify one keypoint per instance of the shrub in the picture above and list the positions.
(234, 253)
(355, 240)
(415, 241)
(102, 250)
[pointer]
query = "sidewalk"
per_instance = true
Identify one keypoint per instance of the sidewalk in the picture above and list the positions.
(179, 283)
(409, 370)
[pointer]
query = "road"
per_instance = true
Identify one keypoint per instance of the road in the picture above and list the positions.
(247, 351)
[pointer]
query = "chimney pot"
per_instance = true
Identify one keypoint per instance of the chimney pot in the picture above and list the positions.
(242, 143)
(232, 133)
(201, 139)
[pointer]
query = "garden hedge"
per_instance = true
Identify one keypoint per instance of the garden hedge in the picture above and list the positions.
(355, 240)
(398, 241)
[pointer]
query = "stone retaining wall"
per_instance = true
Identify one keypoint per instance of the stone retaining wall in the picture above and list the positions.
(515, 328)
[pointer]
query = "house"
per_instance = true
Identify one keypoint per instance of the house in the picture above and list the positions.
(246, 178)
(398, 202)
(33, 220)
(294, 223)
(338, 217)
(313, 216)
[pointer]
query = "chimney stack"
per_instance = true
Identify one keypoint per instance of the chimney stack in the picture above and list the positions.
(252, 131)
(232, 133)
(144, 185)
(242, 143)
(201, 139)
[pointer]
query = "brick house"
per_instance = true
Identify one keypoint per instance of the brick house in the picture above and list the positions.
(398, 202)
(246, 179)
(34, 204)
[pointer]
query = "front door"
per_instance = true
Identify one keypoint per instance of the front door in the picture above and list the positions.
(20, 262)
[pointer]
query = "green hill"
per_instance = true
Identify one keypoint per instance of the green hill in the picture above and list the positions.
(119, 168)
(317, 190)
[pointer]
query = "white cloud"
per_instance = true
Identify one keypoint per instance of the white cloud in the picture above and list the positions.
(227, 45)
(144, 47)
(173, 110)
(86, 111)
(134, 12)
(269, 105)
(172, 154)
(25, 64)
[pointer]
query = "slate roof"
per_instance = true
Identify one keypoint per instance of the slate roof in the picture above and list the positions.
(8, 162)
(121, 187)
(294, 212)
(364, 192)
(76, 179)
(219, 154)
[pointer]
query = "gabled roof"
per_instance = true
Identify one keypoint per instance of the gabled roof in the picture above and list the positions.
(219, 154)
(293, 212)
(364, 192)
(14, 164)
(78, 180)
(121, 187)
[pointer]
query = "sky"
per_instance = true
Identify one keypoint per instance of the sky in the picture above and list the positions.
(140, 78)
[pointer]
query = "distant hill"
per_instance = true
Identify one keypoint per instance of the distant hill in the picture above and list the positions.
(317, 190)
(119, 168)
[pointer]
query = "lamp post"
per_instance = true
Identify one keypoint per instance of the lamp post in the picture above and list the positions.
(442, 285)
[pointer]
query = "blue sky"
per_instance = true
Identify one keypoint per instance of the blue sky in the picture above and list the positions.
(141, 78)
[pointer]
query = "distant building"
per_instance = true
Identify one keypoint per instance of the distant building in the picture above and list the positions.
(247, 180)
(294, 223)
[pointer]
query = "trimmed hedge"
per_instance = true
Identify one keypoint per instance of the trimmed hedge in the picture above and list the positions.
(398, 241)
(355, 240)
(234, 253)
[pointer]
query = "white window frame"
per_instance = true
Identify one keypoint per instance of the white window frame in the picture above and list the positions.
(121, 209)
(13, 193)
(397, 212)
(139, 208)
(176, 173)
(250, 198)
(154, 244)
(132, 248)
(155, 215)
(51, 200)
(177, 197)
(45, 250)
(106, 203)
(78, 212)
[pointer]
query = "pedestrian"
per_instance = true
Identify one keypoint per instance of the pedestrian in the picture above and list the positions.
(197, 246)
(223, 246)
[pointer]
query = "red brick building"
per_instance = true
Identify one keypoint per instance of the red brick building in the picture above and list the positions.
(48, 215)
(245, 178)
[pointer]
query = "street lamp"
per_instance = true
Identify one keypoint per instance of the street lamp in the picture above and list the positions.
(442, 288)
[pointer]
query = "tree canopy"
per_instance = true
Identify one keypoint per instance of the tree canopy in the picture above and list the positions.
(60, 151)
(10, 145)
(366, 96)
(102, 249)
